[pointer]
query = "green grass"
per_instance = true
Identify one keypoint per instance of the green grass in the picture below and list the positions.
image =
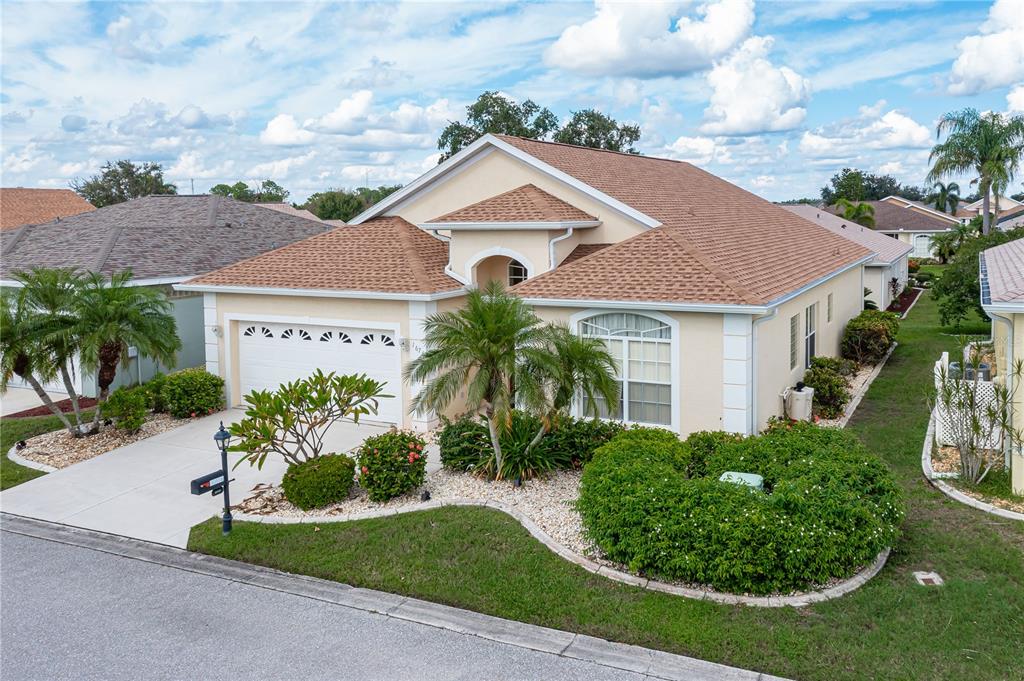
(996, 485)
(14, 429)
(483, 560)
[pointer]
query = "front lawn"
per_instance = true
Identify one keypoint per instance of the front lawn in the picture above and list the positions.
(14, 429)
(891, 628)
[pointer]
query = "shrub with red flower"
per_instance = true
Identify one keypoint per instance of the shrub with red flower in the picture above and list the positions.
(391, 464)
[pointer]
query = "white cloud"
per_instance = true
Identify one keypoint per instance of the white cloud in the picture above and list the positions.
(893, 130)
(696, 150)
(192, 165)
(281, 168)
(994, 57)
(891, 168)
(283, 130)
(74, 123)
(652, 39)
(1015, 99)
(763, 181)
(25, 159)
(752, 95)
(74, 169)
(349, 117)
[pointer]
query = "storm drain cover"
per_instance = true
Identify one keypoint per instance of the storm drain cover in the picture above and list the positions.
(928, 578)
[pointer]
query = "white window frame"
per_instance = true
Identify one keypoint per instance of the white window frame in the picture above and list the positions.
(810, 334)
(520, 275)
(675, 407)
(794, 339)
(831, 308)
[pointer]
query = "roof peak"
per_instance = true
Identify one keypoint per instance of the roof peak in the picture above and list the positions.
(586, 148)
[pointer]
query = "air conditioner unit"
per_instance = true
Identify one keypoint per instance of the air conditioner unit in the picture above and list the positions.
(799, 403)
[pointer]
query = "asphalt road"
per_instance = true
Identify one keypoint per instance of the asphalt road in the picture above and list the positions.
(74, 613)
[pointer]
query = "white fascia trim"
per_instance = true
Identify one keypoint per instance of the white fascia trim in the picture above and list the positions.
(1012, 308)
(821, 280)
(509, 226)
(319, 293)
(647, 305)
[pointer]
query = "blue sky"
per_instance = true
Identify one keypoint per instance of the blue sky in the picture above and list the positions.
(774, 96)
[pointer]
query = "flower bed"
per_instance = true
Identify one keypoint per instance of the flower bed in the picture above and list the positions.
(906, 301)
(64, 405)
(59, 450)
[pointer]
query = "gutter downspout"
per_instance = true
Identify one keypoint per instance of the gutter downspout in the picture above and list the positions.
(551, 246)
(752, 426)
(448, 267)
(1007, 446)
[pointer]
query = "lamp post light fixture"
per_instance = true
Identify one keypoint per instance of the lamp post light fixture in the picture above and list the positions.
(222, 437)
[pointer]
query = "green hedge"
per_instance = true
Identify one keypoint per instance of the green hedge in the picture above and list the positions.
(869, 335)
(831, 388)
(126, 407)
(193, 392)
(391, 464)
(319, 482)
(829, 507)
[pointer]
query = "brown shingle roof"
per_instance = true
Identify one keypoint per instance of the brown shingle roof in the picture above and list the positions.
(523, 204)
(20, 206)
(1005, 265)
(386, 254)
(718, 243)
(582, 251)
(289, 209)
(886, 248)
(892, 217)
(156, 236)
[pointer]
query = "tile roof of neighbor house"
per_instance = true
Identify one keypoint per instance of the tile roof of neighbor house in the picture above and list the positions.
(718, 243)
(1005, 273)
(522, 204)
(289, 209)
(385, 254)
(156, 236)
(887, 250)
(20, 206)
(890, 217)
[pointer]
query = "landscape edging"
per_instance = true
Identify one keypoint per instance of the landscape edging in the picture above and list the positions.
(796, 600)
(14, 457)
(949, 490)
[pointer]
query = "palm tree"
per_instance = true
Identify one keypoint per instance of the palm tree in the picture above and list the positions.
(112, 316)
(861, 213)
(476, 347)
(945, 197)
(990, 145)
(943, 245)
(568, 366)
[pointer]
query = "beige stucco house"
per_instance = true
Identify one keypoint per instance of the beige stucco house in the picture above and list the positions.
(1002, 298)
(713, 299)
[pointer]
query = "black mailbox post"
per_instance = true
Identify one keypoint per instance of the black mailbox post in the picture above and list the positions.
(217, 482)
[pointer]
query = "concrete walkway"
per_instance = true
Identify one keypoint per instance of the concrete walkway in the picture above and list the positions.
(14, 400)
(142, 490)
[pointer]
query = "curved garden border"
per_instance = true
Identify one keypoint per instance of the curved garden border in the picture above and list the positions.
(795, 600)
(12, 455)
(936, 481)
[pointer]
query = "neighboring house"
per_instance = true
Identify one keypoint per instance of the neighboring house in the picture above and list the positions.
(911, 222)
(1002, 298)
(891, 255)
(712, 299)
(20, 206)
(164, 240)
(1011, 219)
(300, 212)
(968, 211)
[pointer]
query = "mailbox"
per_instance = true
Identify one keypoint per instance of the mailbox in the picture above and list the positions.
(211, 482)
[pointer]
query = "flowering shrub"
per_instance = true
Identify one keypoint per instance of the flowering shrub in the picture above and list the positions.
(828, 507)
(913, 265)
(318, 482)
(193, 392)
(391, 464)
(869, 335)
(127, 408)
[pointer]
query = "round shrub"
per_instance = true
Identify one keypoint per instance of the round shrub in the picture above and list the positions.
(828, 507)
(464, 443)
(193, 392)
(831, 390)
(575, 439)
(126, 407)
(391, 464)
(154, 389)
(320, 481)
(869, 335)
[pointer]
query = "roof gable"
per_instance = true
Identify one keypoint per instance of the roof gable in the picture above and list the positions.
(28, 206)
(527, 203)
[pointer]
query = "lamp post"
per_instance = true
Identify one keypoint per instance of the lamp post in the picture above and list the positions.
(222, 437)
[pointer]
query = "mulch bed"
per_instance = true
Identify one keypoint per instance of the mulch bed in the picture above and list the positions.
(63, 405)
(906, 299)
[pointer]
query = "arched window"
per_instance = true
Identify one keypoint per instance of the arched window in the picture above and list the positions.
(516, 272)
(642, 348)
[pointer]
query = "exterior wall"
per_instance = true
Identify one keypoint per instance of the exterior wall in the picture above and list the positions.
(874, 279)
(1017, 462)
(771, 338)
(530, 247)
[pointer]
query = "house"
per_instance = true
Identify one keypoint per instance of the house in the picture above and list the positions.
(1007, 206)
(911, 222)
(891, 255)
(1002, 297)
(20, 206)
(163, 239)
(713, 299)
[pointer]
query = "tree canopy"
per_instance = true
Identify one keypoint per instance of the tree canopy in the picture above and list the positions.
(266, 191)
(494, 113)
(958, 290)
(345, 204)
(120, 181)
(857, 185)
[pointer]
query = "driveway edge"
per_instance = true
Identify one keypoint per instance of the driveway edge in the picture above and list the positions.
(654, 663)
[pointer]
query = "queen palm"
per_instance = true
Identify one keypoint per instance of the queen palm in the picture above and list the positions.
(861, 213)
(945, 197)
(989, 145)
(111, 316)
(477, 348)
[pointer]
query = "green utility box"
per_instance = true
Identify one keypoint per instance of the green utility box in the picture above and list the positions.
(749, 479)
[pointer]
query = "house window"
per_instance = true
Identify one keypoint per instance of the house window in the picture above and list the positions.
(642, 348)
(810, 333)
(922, 246)
(794, 333)
(516, 272)
(830, 308)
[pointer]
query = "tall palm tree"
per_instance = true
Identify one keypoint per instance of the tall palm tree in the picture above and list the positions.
(989, 145)
(945, 197)
(861, 213)
(112, 316)
(476, 347)
(566, 367)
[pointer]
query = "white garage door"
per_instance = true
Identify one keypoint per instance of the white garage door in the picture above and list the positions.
(271, 354)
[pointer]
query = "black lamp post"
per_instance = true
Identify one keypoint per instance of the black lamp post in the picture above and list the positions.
(222, 437)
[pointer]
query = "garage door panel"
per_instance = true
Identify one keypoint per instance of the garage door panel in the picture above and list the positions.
(271, 354)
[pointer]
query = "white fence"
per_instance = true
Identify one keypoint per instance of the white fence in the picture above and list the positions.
(985, 392)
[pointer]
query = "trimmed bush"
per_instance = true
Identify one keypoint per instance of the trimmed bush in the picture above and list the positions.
(840, 365)
(831, 389)
(913, 265)
(319, 482)
(464, 443)
(193, 392)
(391, 464)
(869, 335)
(154, 389)
(575, 439)
(829, 507)
(126, 407)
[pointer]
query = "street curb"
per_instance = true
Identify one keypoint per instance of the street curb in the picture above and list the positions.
(13, 455)
(798, 600)
(653, 663)
(953, 493)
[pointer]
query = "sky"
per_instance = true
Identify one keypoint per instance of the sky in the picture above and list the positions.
(773, 96)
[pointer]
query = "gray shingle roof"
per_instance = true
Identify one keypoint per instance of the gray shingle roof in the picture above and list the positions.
(156, 236)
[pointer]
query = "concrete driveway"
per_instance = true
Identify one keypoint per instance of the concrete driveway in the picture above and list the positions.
(142, 490)
(14, 400)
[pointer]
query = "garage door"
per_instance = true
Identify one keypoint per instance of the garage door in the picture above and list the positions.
(270, 354)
